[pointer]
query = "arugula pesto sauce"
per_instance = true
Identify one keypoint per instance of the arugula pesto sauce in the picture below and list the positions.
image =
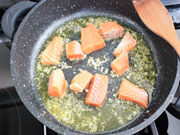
(115, 113)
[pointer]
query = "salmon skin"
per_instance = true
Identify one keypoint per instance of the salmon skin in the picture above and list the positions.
(121, 64)
(91, 40)
(131, 92)
(127, 43)
(97, 91)
(57, 84)
(81, 81)
(111, 30)
(74, 51)
(51, 55)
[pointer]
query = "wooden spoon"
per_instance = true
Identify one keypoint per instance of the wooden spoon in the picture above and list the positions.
(156, 17)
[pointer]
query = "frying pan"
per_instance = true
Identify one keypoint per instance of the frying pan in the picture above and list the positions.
(35, 29)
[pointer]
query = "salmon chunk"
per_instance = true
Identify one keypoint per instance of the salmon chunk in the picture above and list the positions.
(110, 30)
(131, 92)
(81, 81)
(57, 84)
(51, 55)
(127, 43)
(97, 91)
(121, 64)
(91, 40)
(74, 51)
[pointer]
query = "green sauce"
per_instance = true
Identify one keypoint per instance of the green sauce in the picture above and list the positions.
(115, 113)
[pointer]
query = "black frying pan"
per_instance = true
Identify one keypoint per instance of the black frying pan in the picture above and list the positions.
(29, 38)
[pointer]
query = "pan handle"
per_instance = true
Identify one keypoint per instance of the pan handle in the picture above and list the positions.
(11, 16)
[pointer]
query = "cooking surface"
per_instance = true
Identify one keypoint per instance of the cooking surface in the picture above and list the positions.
(6, 81)
(97, 62)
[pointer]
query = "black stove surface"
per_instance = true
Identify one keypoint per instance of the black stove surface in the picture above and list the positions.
(15, 119)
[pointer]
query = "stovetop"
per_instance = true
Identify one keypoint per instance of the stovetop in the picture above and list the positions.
(16, 120)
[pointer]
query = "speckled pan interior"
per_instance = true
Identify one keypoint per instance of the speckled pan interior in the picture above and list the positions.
(37, 27)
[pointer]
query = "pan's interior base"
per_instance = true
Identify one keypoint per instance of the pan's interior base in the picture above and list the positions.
(115, 113)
